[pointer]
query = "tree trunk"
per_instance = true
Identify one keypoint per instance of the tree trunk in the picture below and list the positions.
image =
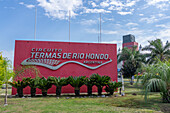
(89, 90)
(6, 91)
(33, 92)
(20, 92)
(111, 92)
(131, 82)
(99, 90)
(77, 91)
(44, 92)
(58, 90)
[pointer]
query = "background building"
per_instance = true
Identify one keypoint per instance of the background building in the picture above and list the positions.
(129, 41)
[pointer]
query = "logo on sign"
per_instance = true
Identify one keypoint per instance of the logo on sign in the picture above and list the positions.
(55, 58)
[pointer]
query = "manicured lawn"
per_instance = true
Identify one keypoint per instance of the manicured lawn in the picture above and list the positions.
(128, 103)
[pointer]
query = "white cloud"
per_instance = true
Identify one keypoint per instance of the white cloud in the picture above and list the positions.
(9, 7)
(104, 4)
(30, 6)
(154, 18)
(141, 14)
(94, 31)
(60, 8)
(163, 25)
(161, 4)
(131, 24)
(122, 5)
(164, 34)
(107, 32)
(124, 13)
(154, 2)
(96, 10)
(21, 3)
(116, 3)
(94, 4)
(88, 22)
(131, 3)
(145, 36)
(108, 19)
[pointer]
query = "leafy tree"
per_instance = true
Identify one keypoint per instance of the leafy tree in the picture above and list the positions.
(77, 82)
(157, 76)
(157, 50)
(100, 81)
(58, 82)
(1, 70)
(111, 87)
(132, 59)
(44, 84)
(5, 74)
(129, 69)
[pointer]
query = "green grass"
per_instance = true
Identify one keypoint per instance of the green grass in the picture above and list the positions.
(126, 104)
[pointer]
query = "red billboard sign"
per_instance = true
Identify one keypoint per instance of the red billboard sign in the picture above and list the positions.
(65, 59)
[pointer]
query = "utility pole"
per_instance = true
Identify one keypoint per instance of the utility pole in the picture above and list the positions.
(35, 23)
(69, 25)
(100, 29)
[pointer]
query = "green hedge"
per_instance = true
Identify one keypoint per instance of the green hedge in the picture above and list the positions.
(45, 83)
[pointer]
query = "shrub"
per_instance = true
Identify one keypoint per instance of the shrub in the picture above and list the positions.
(89, 83)
(111, 87)
(77, 82)
(100, 81)
(19, 85)
(58, 82)
(157, 76)
(44, 84)
(33, 83)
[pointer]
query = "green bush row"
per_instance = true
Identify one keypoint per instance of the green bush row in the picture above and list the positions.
(76, 82)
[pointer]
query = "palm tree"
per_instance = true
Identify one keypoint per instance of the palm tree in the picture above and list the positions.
(44, 84)
(89, 83)
(77, 82)
(58, 82)
(19, 85)
(155, 77)
(132, 59)
(157, 50)
(33, 83)
(100, 81)
(130, 54)
(111, 87)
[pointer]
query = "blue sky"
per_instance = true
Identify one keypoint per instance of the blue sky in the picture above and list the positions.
(146, 19)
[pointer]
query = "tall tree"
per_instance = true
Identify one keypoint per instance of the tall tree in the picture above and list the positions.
(6, 73)
(130, 54)
(157, 50)
(132, 59)
(1, 70)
